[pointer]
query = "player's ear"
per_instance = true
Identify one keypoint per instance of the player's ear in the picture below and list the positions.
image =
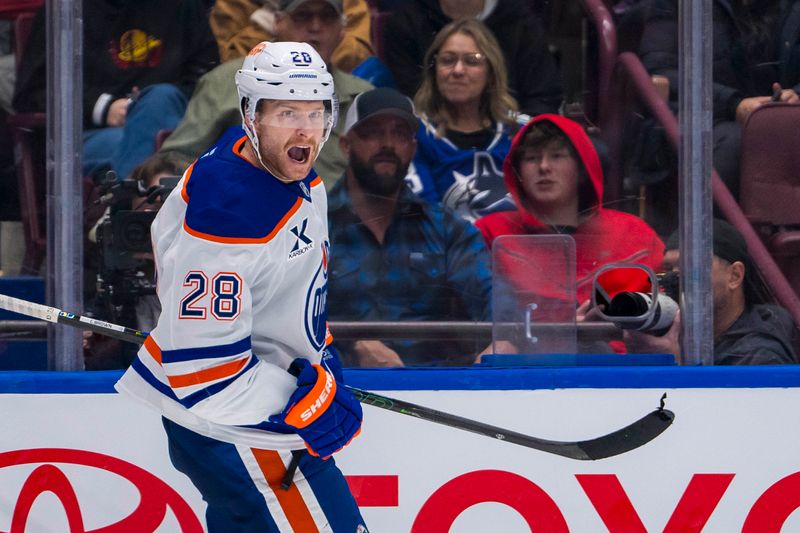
(245, 105)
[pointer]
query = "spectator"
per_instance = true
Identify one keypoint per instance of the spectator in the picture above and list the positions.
(239, 25)
(756, 59)
(214, 107)
(140, 64)
(746, 331)
(534, 78)
(554, 174)
(468, 116)
(395, 256)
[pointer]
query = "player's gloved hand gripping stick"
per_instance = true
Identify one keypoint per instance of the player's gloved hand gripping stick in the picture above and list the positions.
(326, 416)
(617, 442)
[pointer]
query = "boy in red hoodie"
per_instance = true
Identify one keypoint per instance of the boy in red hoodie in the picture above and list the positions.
(554, 174)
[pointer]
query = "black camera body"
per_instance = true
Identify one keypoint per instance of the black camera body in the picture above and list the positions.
(125, 269)
(123, 235)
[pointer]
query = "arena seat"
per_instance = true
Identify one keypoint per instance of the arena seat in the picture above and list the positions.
(770, 182)
(27, 130)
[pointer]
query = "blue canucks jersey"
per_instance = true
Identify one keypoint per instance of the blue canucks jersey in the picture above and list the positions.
(469, 181)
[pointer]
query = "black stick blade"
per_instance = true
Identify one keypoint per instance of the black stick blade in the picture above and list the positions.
(630, 437)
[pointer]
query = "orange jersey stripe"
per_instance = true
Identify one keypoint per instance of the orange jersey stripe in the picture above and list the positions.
(316, 181)
(209, 374)
(238, 146)
(184, 194)
(246, 240)
(291, 501)
(153, 349)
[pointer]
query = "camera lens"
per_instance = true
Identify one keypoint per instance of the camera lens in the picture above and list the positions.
(636, 304)
(629, 304)
(136, 236)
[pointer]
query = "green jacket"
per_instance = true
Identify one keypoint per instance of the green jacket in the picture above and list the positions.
(214, 107)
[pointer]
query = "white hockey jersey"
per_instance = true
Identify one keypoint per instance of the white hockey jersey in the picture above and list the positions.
(241, 262)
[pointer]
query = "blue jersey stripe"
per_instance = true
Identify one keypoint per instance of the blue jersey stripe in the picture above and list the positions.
(205, 352)
(148, 376)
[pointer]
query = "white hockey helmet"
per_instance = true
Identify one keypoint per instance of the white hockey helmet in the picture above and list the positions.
(285, 71)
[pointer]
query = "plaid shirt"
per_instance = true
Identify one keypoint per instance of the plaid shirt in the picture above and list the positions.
(432, 265)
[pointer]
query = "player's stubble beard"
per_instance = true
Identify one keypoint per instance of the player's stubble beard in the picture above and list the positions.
(274, 159)
(379, 184)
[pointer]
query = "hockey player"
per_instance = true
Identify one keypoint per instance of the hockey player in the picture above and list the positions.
(241, 249)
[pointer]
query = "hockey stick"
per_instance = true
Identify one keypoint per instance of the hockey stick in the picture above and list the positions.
(623, 440)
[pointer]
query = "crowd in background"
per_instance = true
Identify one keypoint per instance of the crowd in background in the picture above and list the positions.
(489, 149)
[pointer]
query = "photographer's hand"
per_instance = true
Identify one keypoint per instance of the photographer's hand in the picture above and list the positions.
(586, 313)
(639, 342)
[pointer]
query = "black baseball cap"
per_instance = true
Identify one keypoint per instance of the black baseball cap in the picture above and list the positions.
(728, 243)
(380, 101)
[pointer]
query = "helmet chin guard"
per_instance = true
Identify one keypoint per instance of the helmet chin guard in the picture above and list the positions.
(284, 71)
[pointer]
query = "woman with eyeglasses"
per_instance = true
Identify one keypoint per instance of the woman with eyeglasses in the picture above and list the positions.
(533, 76)
(467, 116)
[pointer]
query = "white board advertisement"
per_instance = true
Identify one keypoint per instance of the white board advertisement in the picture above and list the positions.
(729, 462)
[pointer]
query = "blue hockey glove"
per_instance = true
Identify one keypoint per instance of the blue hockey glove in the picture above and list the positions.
(331, 361)
(327, 417)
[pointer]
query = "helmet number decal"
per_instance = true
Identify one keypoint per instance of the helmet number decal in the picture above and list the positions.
(301, 58)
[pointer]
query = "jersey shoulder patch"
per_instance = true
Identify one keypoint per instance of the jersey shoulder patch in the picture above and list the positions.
(230, 200)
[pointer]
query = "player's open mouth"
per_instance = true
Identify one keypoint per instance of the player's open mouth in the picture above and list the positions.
(299, 154)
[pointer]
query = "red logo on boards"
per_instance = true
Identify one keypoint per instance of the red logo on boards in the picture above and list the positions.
(155, 496)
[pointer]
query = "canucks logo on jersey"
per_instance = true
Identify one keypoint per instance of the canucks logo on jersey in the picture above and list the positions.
(469, 181)
(316, 315)
(480, 192)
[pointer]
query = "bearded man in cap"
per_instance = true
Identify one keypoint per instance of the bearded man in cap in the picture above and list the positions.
(395, 256)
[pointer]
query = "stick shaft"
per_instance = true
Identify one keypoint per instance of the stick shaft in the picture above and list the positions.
(620, 441)
(57, 316)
